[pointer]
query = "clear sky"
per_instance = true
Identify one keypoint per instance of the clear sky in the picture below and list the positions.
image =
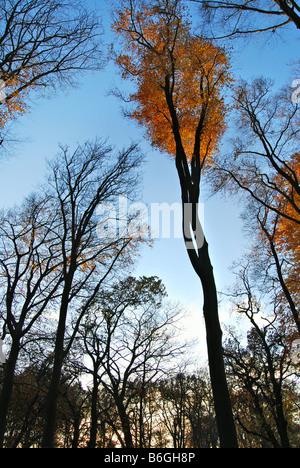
(87, 112)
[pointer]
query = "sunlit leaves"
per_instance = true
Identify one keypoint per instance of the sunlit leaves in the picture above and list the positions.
(179, 77)
(287, 237)
(14, 102)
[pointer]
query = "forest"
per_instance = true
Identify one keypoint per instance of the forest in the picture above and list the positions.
(93, 355)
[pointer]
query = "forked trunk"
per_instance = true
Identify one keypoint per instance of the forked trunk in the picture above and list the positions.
(197, 249)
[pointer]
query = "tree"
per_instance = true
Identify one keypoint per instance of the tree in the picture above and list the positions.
(78, 183)
(24, 416)
(263, 160)
(44, 44)
(263, 367)
(30, 277)
(282, 261)
(285, 243)
(51, 255)
(174, 397)
(71, 409)
(255, 16)
(187, 410)
(263, 168)
(129, 339)
(200, 411)
(179, 79)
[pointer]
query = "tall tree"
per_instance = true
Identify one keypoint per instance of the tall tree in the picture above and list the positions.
(79, 182)
(263, 168)
(30, 277)
(179, 79)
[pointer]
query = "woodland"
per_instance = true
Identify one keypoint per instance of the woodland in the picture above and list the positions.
(91, 355)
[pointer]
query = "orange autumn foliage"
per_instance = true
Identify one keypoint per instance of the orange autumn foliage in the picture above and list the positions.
(280, 235)
(14, 92)
(159, 47)
(288, 230)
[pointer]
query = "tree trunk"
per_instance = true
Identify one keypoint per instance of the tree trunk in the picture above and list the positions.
(94, 413)
(7, 387)
(282, 428)
(76, 425)
(52, 397)
(281, 422)
(197, 249)
(224, 417)
(125, 425)
(222, 403)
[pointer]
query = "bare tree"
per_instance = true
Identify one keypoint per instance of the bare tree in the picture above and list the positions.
(130, 338)
(53, 259)
(264, 367)
(30, 277)
(262, 161)
(263, 169)
(44, 44)
(79, 182)
(239, 17)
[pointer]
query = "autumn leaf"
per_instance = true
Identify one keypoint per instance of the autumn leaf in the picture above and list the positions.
(179, 79)
(14, 102)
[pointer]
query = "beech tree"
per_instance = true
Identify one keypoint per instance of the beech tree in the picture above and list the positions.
(179, 79)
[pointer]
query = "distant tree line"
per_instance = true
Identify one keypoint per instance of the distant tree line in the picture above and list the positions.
(123, 384)
(172, 411)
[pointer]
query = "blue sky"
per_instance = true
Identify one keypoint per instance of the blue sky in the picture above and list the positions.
(87, 112)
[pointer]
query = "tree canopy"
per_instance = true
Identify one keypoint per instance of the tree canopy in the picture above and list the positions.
(179, 76)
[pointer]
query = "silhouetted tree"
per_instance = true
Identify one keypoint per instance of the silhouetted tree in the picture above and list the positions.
(263, 369)
(239, 18)
(180, 78)
(30, 280)
(78, 183)
(129, 337)
(44, 44)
